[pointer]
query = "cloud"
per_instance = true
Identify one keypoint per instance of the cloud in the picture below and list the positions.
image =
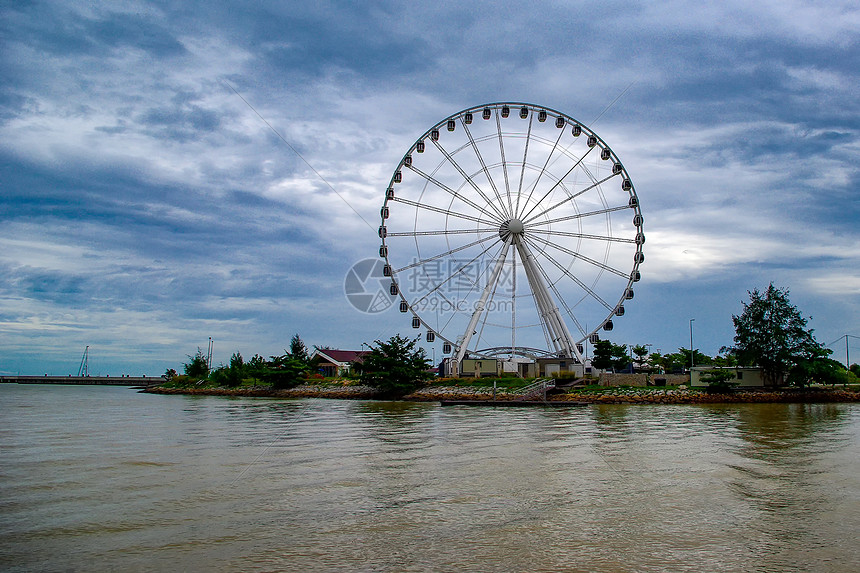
(144, 205)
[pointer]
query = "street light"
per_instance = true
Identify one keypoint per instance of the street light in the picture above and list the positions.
(692, 356)
(648, 357)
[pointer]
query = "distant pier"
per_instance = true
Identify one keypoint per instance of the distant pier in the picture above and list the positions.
(84, 380)
(514, 403)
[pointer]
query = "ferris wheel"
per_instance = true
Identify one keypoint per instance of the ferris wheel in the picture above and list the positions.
(511, 225)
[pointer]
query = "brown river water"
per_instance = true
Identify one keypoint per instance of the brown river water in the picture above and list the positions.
(106, 479)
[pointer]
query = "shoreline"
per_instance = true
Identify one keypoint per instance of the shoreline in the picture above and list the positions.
(477, 394)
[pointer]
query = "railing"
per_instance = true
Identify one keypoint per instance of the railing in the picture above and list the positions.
(537, 388)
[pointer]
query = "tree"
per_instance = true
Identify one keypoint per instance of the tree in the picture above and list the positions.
(197, 368)
(395, 367)
(608, 355)
(236, 370)
(255, 367)
(771, 333)
(602, 357)
(655, 361)
(231, 375)
(728, 359)
(298, 350)
(641, 353)
(818, 368)
(719, 380)
(699, 359)
(620, 358)
(284, 371)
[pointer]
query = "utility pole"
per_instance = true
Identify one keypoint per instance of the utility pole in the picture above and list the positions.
(847, 356)
(692, 355)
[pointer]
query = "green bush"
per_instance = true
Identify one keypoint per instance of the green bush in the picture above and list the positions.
(180, 381)
(719, 381)
(566, 375)
(395, 367)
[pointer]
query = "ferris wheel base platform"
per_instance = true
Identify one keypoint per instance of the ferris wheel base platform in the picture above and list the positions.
(512, 403)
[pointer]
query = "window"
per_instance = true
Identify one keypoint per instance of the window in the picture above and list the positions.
(740, 375)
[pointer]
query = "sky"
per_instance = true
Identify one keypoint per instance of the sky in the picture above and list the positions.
(147, 204)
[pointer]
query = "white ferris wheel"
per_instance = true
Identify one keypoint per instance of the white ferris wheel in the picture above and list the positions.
(511, 228)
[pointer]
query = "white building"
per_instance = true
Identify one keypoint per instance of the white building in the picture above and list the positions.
(745, 376)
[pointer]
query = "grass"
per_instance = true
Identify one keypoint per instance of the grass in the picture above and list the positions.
(596, 389)
(507, 383)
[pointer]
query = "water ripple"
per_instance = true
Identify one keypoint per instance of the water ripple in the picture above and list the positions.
(109, 479)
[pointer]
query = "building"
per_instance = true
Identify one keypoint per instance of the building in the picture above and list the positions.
(549, 367)
(332, 362)
(745, 376)
(480, 367)
(524, 368)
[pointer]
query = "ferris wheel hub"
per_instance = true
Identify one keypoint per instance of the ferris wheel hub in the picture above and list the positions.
(511, 227)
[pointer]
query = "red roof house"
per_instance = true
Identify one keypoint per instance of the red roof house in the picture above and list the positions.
(334, 362)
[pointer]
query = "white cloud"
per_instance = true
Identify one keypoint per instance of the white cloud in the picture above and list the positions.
(212, 226)
(846, 283)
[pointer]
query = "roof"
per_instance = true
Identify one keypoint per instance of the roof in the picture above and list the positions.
(340, 356)
(712, 367)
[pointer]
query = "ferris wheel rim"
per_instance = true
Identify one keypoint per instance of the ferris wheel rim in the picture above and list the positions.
(495, 213)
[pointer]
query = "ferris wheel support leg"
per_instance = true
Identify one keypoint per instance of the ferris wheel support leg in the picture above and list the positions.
(482, 302)
(548, 310)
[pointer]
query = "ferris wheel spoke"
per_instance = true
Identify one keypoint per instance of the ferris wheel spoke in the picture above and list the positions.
(487, 314)
(579, 216)
(582, 236)
(451, 192)
(484, 165)
(557, 183)
(480, 305)
(504, 165)
(543, 170)
(568, 199)
(474, 283)
(523, 169)
(450, 252)
(471, 182)
(443, 232)
(548, 311)
(560, 298)
(582, 257)
(443, 211)
(577, 280)
(453, 275)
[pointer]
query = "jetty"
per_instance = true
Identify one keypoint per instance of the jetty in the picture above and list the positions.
(514, 403)
(136, 381)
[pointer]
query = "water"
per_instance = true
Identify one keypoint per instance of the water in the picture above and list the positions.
(103, 478)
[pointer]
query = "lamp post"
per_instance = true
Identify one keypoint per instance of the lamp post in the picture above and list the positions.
(692, 355)
(648, 357)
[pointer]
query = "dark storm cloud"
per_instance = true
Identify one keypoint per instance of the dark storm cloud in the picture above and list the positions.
(138, 189)
(180, 123)
(54, 29)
